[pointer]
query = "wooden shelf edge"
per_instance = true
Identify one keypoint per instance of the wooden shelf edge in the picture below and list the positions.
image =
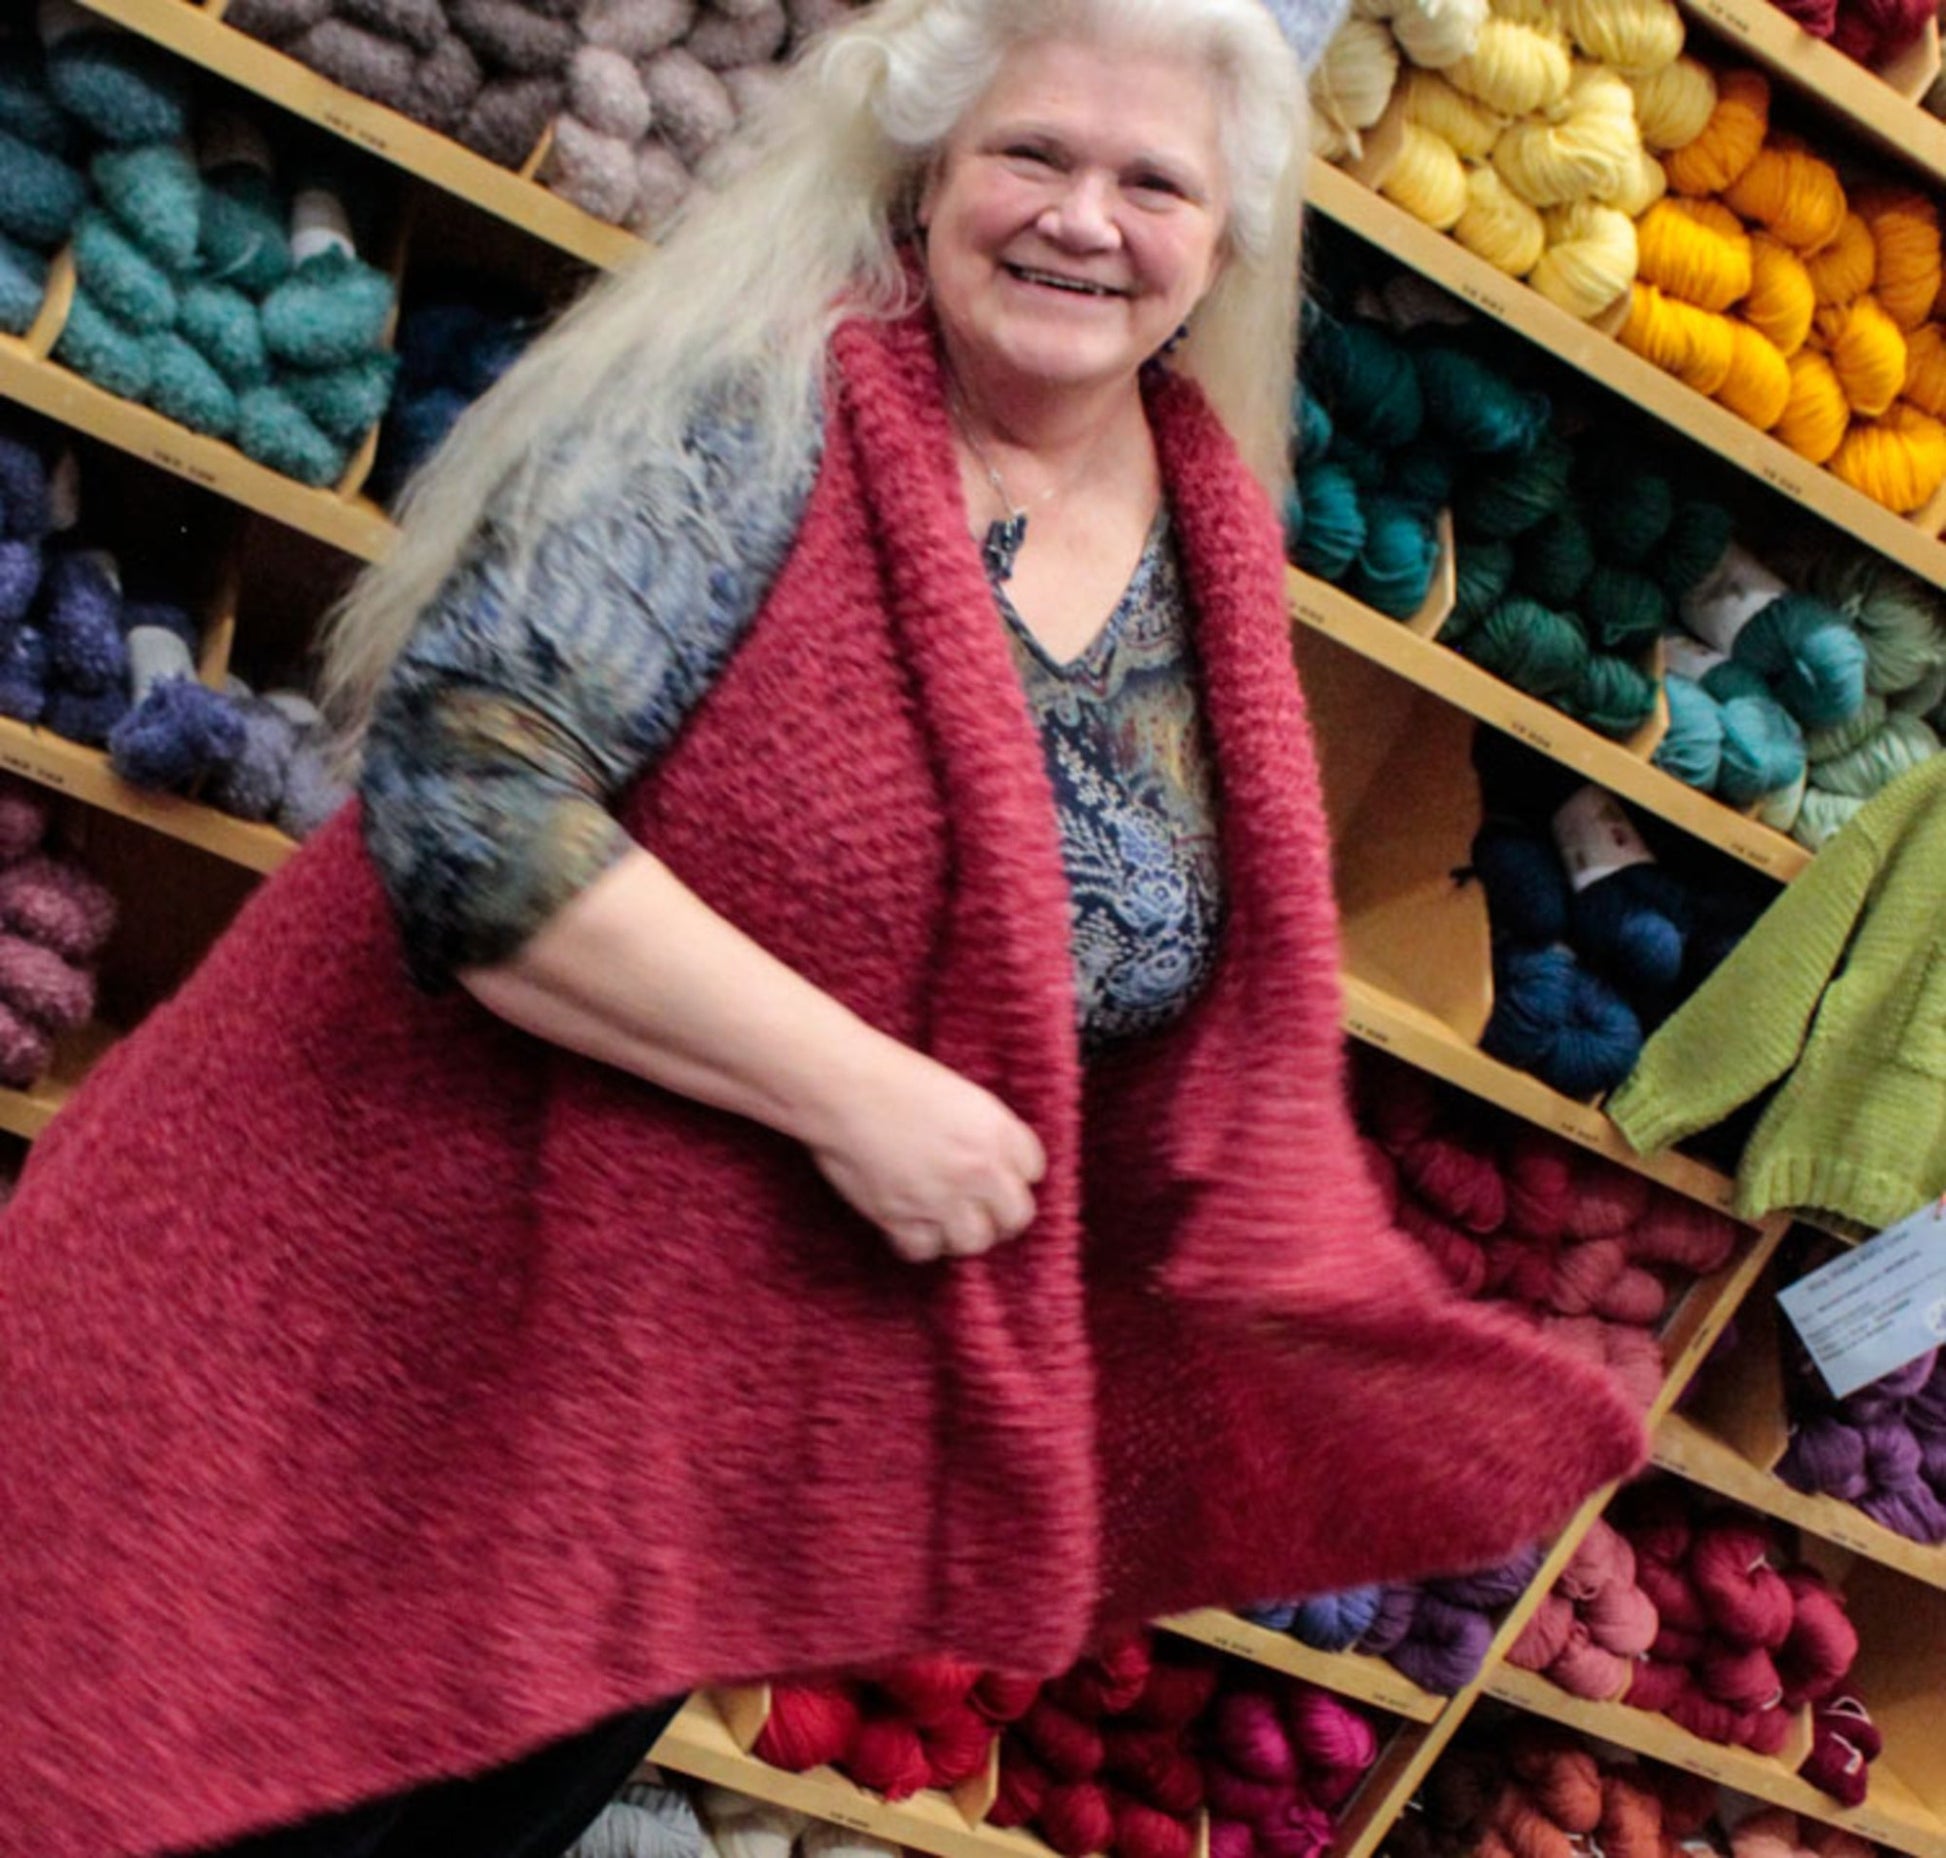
(355, 525)
(193, 33)
(1606, 362)
(1332, 612)
(1363, 1679)
(52, 761)
(1686, 1449)
(1893, 1816)
(1398, 1027)
(699, 1744)
(1831, 80)
(27, 1112)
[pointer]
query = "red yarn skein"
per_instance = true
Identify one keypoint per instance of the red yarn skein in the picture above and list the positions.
(1069, 1748)
(1005, 1696)
(956, 1745)
(1143, 1831)
(1823, 1643)
(1154, 1766)
(926, 1689)
(887, 1757)
(1076, 1819)
(809, 1726)
(1748, 1602)
(1023, 1786)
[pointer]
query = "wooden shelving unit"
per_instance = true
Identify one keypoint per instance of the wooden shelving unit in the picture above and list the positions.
(197, 32)
(1356, 207)
(27, 1112)
(1684, 1447)
(1894, 1815)
(1349, 1674)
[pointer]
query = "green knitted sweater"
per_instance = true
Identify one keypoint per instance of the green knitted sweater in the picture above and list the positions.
(1842, 984)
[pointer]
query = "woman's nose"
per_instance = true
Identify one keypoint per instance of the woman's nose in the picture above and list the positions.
(1082, 216)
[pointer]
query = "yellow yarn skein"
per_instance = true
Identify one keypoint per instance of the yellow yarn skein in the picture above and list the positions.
(1846, 267)
(1536, 14)
(1590, 257)
(1450, 114)
(1673, 106)
(1905, 233)
(1640, 190)
(1436, 33)
(1925, 369)
(1867, 348)
(1428, 179)
(1499, 225)
(1584, 153)
(1728, 142)
(1696, 250)
(1817, 416)
(1354, 80)
(1631, 35)
(1514, 69)
(1781, 302)
(1791, 192)
(1899, 461)
(1697, 346)
(1758, 385)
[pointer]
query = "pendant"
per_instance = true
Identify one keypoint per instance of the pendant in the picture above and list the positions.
(1002, 546)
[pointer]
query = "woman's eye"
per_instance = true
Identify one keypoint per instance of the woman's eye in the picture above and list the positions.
(1024, 152)
(1157, 184)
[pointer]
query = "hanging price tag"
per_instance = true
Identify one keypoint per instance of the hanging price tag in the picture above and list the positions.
(1871, 1312)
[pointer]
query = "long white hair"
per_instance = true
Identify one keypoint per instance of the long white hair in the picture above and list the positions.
(806, 229)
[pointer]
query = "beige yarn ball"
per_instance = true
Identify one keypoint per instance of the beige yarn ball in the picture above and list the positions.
(1514, 69)
(1428, 180)
(1635, 36)
(1499, 226)
(723, 40)
(1437, 33)
(1673, 105)
(1590, 258)
(1353, 81)
(1583, 152)
(692, 109)
(1450, 114)
(636, 28)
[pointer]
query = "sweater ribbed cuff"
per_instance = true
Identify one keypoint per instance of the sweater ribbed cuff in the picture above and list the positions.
(1645, 1126)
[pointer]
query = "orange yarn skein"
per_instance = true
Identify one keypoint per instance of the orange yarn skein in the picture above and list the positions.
(1793, 193)
(1781, 302)
(1817, 414)
(1925, 369)
(1847, 267)
(1904, 229)
(1899, 461)
(1697, 346)
(1758, 385)
(1696, 250)
(1867, 351)
(1730, 140)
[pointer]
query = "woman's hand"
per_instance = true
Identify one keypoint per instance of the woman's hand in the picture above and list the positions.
(941, 1166)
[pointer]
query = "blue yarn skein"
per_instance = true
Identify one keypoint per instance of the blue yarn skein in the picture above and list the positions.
(23, 674)
(122, 87)
(1631, 924)
(1763, 746)
(1335, 1622)
(1526, 889)
(178, 728)
(1693, 748)
(26, 503)
(40, 195)
(20, 577)
(1555, 1020)
(1812, 660)
(82, 617)
(85, 716)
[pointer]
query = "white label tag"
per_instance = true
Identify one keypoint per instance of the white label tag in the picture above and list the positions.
(1596, 838)
(318, 223)
(1733, 593)
(1878, 1308)
(1688, 657)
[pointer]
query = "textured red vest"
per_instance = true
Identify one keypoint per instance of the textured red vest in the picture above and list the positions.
(382, 1392)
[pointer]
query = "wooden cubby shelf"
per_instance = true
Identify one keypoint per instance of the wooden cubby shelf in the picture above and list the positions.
(699, 1744)
(1614, 765)
(1350, 1674)
(1698, 1457)
(196, 32)
(1893, 1814)
(27, 1112)
(1881, 107)
(354, 524)
(1353, 205)
(69, 768)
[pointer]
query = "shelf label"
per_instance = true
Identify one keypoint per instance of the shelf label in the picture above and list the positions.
(1759, 855)
(1531, 733)
(1480, 297)
(1869, 1313)
(1779, 479)
(22, 764)
(174, 461)
(1728, 17)
(1372, 1035)
(356, 131)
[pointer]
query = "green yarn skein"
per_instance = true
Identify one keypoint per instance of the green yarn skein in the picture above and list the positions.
(1900, 745)
(344, 403)
(1624, 610)
(124, 280)
(1631, 512)
(1506, 502)
(276, 433)
(242, 239)
(1841, 738)
(1530, 646)
(1896, 615)
(1555, 558)
(1613, 697)
(1394, 568)
(1697, 536)
(1483, 574)
(1823, 816)
(1479, 409)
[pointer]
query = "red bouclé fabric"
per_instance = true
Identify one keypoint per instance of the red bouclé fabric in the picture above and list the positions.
(385, 1392)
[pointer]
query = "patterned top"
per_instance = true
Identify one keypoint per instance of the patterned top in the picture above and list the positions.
(509, 727)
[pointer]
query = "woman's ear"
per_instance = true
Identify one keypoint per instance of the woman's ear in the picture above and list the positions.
(929, 184)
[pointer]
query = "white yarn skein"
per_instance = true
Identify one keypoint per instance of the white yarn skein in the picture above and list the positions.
(1436, 33)
(824, 1840)
(643, 1821)
(744, 1828)
(1353, 82)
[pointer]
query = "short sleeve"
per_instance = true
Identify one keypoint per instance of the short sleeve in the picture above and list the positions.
(525, 702)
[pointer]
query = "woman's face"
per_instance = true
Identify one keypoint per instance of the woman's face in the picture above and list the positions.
(1076, 215)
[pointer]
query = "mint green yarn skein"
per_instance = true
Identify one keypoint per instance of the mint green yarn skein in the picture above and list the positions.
(1899, 746)
(155, 194)
(1330, 529)
(1823, 816)
(185, 388)
(1625, 612)
(120, 276)
(96, 346)
(1555, 558)
(1923, 697)
(1692, 750)
(1896, 615)
(1506, 500)
(1393, 571)
(1478, 409)
(1530, 646)
(224, 328)
(1842, 738)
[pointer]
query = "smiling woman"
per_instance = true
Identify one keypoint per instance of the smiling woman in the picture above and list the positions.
(841, 885)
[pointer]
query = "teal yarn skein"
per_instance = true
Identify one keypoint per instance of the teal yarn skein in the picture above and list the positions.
(1896, 615)
(1814, 663)
(1366, 464)
(1613, 697)
(330, 310)
(1697, 536)
(276, 433)
(1625, 611)
(1507, 501)
(344, 403)
(1394, 569)
(1366, 380)
(242, 239)
(1555, 558)
(1692, 750)
(40, 195)
(1331, 521)
(1423, 474)
(27, 107)
(122, 87)
(1483, 576)
(23, 286)
(1530, 646)
(1474, 406)
(120, 276)
(1763, 746)
(155, 195)
(1631, 513)
(94, 344)
(1310, 424)
(223, 326)
(185, 388)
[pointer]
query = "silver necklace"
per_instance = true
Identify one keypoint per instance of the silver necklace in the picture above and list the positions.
(1001, 547)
